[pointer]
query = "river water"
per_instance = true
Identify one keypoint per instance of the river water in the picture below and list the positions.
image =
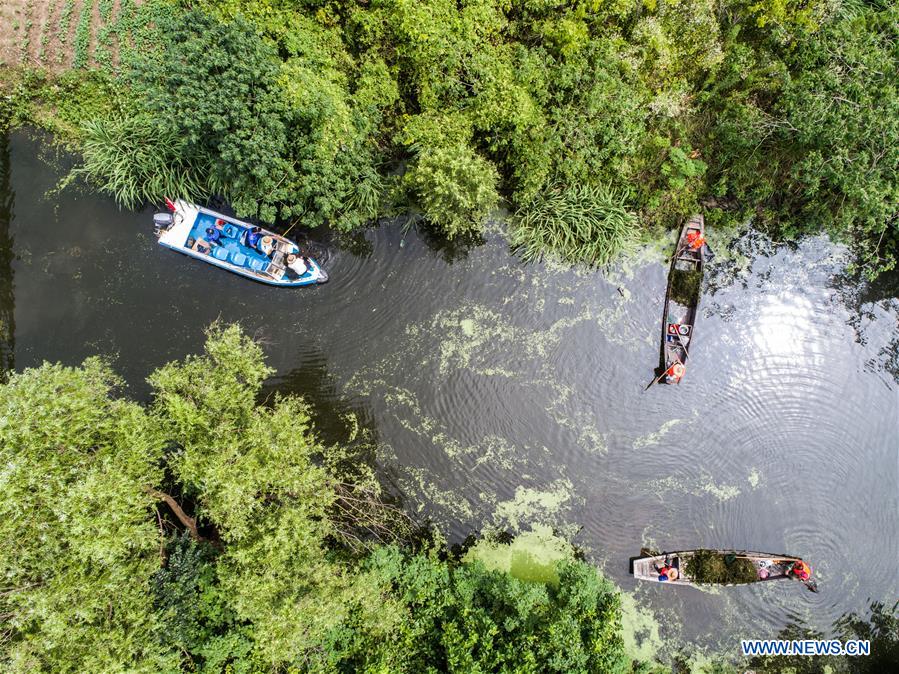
(506, 394)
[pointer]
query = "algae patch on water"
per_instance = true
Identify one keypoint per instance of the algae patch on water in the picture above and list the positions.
(696, 487)
(640, 629)
(533, 505)
(754, 478)
(656, 437)
(532, 556)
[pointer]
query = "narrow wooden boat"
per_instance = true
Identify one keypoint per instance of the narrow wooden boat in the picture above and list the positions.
(718, 567)
(681, 302)
(271, 259)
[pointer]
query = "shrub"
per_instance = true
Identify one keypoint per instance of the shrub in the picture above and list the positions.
(455, 187)
(579, 224)
(136, 161)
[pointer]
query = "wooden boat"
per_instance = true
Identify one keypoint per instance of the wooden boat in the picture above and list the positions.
(681, 302)
(273, 259)
(753, 567)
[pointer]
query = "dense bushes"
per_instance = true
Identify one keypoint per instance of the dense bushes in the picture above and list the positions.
(465, 618)
(808, 131)
(783, 112)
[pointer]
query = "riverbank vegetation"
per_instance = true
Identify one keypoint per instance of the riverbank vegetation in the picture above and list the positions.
(211, 531)
(337, 112)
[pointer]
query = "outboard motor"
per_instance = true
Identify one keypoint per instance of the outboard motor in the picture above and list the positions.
(161, 222)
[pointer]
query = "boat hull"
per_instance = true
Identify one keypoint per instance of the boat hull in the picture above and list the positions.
(769, 566)
(186, 236)
(679, 313)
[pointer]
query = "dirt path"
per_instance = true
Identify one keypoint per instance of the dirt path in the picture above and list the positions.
(43, 12)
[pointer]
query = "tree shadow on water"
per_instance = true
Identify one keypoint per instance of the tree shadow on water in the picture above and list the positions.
(7, 285)
(338, 421)
(451, 250)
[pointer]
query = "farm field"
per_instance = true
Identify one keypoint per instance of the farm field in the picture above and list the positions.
(56, 35)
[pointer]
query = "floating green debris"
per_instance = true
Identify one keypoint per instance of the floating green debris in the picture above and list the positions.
(700, 487)
(640, 629)
(532, 556)
(533, 505)
(656, 437)
(754, 478)
(722, 492)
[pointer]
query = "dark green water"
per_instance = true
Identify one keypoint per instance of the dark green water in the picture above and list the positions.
(509, 394)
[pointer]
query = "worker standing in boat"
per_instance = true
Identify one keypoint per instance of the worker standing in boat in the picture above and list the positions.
(675, 372)
(663, 572)
(801, 570)
(696, 242)
(666, 572)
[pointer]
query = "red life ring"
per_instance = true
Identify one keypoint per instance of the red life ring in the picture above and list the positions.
(677, 370)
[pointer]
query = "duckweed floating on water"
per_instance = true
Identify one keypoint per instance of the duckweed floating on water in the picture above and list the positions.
(697, 487)
(656, 437)
(534, 505)
(754, 478)
(640, 629)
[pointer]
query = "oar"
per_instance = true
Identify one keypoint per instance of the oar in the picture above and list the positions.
(654, 381)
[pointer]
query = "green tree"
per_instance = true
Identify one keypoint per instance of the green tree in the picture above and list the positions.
(78, 541)
(214, 86)
(255, 474)
(466, 618)
(806, 136)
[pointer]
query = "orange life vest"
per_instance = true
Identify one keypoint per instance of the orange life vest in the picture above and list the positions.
(677, 370)
(801, 570)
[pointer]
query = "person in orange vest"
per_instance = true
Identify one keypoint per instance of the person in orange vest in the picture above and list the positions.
(695, 240)
(801, 570)
(663, 570)
(676, 371)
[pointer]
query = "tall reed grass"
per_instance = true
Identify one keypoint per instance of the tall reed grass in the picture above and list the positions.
(136, 161)
(584, 223)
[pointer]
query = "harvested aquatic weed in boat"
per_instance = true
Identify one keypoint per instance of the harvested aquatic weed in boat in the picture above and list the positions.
(708, 566)
(685, 286)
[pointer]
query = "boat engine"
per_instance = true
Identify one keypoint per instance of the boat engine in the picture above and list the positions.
(161, 222)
